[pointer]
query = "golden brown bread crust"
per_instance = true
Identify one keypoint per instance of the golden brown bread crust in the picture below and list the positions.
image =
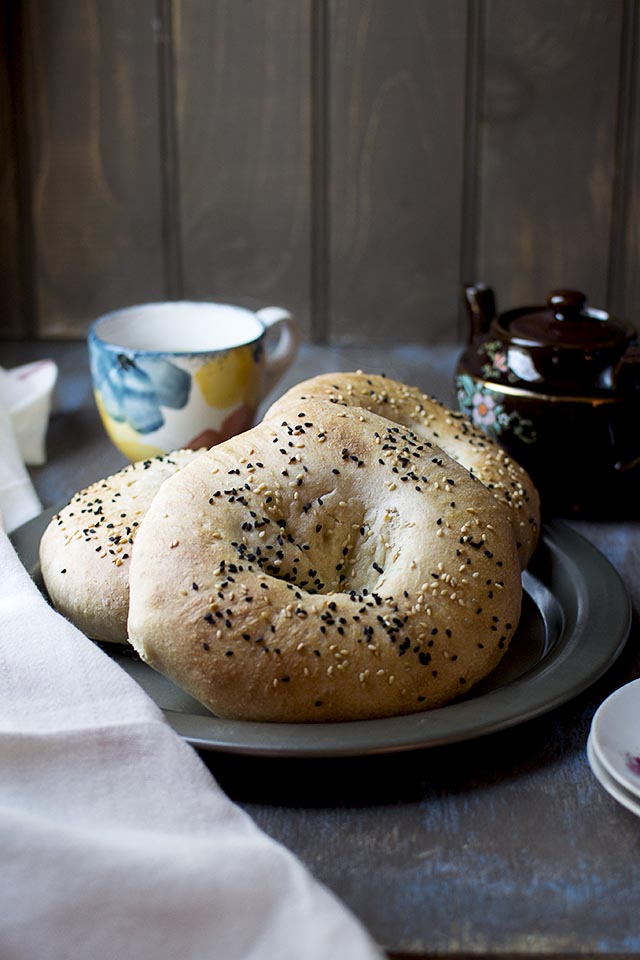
(452, 431)
(86, 549)
(325, 565)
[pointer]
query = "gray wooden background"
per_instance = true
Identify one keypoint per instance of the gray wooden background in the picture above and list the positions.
(354, 160)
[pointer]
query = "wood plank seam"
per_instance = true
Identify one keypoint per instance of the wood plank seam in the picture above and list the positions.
(169, 153)
(471, 172)
(623, 168)
(320, 174)
(19, 63)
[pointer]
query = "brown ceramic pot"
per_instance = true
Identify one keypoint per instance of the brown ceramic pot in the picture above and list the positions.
(559, 386)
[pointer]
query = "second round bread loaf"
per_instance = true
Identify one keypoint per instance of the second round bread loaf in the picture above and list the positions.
(451, 430)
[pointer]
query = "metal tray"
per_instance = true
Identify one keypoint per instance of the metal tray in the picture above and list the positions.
(575, 620)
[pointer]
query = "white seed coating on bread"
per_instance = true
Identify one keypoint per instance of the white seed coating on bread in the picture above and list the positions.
(86, 548)
(451, 430)
(324, 567)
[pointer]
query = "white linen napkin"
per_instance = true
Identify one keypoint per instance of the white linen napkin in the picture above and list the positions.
(25, 404)
(116, 841)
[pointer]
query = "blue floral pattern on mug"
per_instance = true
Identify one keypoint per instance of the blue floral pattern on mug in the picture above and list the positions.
(484, 408)
(133, 388)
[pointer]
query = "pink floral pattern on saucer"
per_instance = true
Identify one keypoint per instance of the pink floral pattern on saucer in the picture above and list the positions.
(633, 764)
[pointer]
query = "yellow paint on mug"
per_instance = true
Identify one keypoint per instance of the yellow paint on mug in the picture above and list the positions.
(229, 379)
(124, 437)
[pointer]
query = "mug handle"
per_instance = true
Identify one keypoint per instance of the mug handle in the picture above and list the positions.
(281, 356)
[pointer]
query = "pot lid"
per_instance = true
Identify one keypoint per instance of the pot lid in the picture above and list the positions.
(565, 322)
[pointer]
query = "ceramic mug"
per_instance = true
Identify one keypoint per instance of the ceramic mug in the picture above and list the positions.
(185, 373)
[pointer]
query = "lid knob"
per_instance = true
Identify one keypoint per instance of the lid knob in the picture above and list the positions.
(566, 304)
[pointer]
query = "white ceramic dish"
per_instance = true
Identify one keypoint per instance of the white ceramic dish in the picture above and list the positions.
(615, 733)
(28, 393)
(612, 786)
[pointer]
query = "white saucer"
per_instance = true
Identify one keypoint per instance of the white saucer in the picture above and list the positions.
(615, 735)
(613, 787)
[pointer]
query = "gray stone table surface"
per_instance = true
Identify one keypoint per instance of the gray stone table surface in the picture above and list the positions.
(505, 846)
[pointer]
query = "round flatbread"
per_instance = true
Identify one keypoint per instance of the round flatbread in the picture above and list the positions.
(328, 564)
(85, 552)
(451, 430)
